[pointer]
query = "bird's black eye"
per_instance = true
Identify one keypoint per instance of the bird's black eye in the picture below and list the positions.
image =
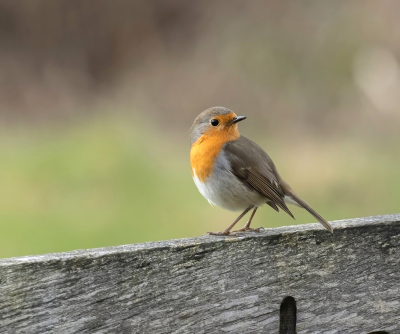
(214, 122)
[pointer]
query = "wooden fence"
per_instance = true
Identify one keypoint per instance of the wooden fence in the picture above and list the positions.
(298, 279)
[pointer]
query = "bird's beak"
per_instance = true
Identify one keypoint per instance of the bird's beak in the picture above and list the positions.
(238, 119)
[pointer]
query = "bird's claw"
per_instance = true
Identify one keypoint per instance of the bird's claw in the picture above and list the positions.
(249, 229)
(226, 233)
(221, 234)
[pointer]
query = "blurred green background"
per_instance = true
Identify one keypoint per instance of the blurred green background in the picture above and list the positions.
(97, 98)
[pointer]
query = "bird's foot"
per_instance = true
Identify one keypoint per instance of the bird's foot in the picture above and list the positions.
(249, 229)
(223, 233)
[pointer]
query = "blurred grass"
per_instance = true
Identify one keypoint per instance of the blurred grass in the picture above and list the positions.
(110, 180)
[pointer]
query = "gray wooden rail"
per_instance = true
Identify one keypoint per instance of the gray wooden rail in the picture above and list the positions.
(298, 279)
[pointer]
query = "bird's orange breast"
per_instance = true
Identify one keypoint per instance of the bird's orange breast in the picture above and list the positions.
(207, 148)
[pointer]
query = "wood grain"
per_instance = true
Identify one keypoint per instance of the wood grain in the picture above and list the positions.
(345, 282)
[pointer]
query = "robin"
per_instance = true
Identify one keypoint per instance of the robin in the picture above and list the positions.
(233, 172)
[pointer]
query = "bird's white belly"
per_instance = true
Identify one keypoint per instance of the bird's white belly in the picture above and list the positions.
(225, 190)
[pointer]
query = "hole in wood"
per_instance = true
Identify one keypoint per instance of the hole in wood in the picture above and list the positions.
(288, 316)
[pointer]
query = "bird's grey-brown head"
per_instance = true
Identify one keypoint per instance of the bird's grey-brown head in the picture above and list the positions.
(216, 118)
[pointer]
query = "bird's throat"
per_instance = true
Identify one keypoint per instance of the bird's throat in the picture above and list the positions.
(206, 149)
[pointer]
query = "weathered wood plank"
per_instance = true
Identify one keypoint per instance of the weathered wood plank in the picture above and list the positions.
(348, 282)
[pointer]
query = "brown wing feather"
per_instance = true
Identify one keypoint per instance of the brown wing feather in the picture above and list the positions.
(269, 190)
(273, 206)
(251, 164)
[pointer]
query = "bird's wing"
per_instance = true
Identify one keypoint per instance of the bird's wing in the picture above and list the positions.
(252, 165)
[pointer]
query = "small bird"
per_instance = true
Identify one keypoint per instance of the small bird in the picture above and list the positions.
(233, 172)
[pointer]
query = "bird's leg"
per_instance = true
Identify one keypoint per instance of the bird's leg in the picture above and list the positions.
(227, 231)
(247, 226)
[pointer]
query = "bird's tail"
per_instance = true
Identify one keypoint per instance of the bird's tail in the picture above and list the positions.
(294, 198)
